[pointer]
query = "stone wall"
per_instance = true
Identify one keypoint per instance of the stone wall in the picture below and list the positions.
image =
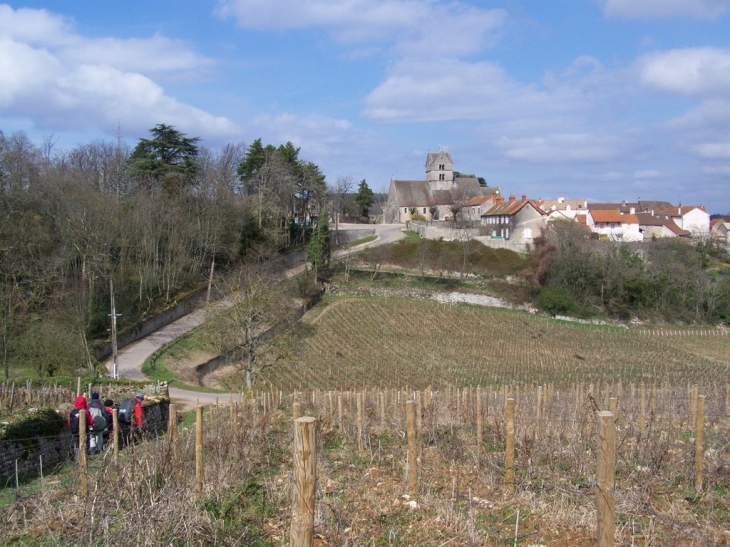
(448, 233)
(56, 449)
(152, 324)
(346, 236)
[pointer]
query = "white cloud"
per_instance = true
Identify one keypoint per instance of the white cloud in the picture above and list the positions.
(612, 176)
(690, 71)
(709, 114)
(664, 8)
(62, 80)
(42, 30)
(713, 150)
(431, 26)
(415, 91)
(647, 174)
(560, 147)
(717, 170)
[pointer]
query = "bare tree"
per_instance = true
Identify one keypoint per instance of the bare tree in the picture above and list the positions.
(258, 305)
(338, 192)
(459, 196)
(467, 245)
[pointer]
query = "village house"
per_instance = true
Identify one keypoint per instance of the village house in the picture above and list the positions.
(657, 227)
(475, 207)
(691, 218)
(563, 209)
(521, 220)
(720, 231)
(614, 225)
(441, 196)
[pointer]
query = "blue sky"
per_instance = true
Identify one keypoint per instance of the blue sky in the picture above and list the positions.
(599, 99)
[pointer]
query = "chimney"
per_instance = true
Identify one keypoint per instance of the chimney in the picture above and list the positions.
(632, 211)
(561, 199)
(524, 198)
(512, 198)
(498, 200)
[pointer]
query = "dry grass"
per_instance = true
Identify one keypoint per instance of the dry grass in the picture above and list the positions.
(363, 497)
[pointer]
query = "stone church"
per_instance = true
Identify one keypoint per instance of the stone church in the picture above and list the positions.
(436, 198)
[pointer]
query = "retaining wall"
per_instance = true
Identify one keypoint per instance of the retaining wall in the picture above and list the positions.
(59, 448)
(221, 360)
(455, 234)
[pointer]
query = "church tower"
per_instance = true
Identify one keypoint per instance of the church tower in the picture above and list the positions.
(439, 170)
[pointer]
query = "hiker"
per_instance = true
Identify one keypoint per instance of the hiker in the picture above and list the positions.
(101, 419)
(109, 407)
(137, 417)
(73, 421)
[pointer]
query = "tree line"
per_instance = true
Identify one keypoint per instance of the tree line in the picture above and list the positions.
(155, 220)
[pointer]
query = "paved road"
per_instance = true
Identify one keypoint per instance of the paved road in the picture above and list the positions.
(130, 358)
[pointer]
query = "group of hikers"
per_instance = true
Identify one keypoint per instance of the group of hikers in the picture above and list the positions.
(99, 422)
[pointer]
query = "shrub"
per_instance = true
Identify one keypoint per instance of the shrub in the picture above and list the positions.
(556, 301)
(40, 423)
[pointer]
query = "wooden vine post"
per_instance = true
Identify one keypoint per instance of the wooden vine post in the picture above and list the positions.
(339, 411)
(359, 399)
(296, 410)
(411, 428)
(642, 415)
(172, 430)
(605, 477)
(115, 432)
(699, 441)
(82, 454)
(509, 452)
(301, 533)
(198, 452)
(480, 425)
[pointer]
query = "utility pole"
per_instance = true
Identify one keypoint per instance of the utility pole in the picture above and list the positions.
(114, 315)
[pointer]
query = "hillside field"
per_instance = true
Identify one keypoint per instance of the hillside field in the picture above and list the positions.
(360, 341)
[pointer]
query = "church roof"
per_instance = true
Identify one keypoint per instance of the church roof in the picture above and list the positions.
(418, 193)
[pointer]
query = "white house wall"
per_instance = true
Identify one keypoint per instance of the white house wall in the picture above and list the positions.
(619, 232)
(697, 222)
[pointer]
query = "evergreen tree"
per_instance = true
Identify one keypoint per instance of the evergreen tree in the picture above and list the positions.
(364, 197)
(318, 253)
(170, 158)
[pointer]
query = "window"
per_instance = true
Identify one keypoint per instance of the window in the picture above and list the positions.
(405, 209)
(424, 210)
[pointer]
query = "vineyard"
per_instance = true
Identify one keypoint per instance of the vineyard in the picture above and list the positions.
(453, 480)
(436, 424)
(352, 342)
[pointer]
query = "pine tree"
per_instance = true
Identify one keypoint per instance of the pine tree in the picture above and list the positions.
(318, 253)
(364, 197)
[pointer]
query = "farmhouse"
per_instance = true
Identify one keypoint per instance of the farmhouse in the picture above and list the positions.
(521, 220)
(656, 227)
(442, 196)
(614, 225)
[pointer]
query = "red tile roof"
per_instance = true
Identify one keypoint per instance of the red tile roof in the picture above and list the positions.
(601, 216)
